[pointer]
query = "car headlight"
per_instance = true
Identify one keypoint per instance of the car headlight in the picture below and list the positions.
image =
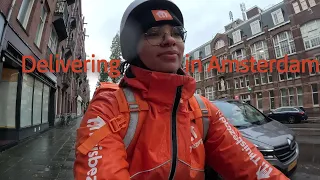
(267, 153)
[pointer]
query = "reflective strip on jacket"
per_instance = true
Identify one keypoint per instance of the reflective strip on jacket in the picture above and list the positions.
(168, 145)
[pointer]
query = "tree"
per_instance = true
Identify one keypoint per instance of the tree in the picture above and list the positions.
(104, 76)
(115, 54)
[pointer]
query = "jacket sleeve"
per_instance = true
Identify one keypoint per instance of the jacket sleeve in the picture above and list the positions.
(107, 159)
(233, 156)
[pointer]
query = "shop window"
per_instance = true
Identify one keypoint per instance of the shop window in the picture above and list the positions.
(37, 102)
(26, 101)
(8, 91)
(45, 104)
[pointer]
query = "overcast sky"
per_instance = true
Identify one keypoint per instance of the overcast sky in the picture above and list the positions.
(203, 19)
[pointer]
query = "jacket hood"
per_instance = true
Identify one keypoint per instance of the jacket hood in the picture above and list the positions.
(157, 86)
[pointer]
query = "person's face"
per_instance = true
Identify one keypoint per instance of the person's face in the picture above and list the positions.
(161, 48)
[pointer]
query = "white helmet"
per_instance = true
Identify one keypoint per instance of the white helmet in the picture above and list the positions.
(129, 27)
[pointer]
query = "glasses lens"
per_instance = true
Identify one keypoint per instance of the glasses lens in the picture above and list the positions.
(155, 35)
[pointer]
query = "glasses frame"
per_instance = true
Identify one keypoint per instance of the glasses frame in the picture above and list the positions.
(183, 39)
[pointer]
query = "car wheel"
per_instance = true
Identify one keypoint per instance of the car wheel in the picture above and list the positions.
(292, 120)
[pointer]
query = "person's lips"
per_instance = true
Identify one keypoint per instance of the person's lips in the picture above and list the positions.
(169, 55)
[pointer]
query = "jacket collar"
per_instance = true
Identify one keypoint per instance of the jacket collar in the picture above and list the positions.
(157, 86)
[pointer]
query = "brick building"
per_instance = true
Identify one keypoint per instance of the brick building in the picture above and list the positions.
(72, 88)
(266, 35)
(29, 100)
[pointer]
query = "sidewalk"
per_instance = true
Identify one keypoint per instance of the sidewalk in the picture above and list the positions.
(49, 156)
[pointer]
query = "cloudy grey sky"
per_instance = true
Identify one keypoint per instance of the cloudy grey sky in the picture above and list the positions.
(203, 19)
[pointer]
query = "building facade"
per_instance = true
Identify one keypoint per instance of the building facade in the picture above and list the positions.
(72, 87)
(269, 34)
(31, 31)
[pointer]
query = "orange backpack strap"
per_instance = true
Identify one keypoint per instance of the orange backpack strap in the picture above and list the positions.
(125, 124)
(200, 114)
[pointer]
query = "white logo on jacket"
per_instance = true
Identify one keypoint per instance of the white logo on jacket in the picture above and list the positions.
(93, 155)
(194, 136)
(264, 170)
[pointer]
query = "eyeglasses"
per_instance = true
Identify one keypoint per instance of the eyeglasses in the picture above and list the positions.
(156, 35)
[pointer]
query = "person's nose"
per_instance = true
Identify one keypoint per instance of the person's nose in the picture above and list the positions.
(168, 40)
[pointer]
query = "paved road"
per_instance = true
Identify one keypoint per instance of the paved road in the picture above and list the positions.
(50, 156)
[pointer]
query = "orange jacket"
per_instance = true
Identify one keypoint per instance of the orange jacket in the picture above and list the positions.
(167, 145)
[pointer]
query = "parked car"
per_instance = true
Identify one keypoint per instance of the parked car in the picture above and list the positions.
(289, 114)
(274, 140)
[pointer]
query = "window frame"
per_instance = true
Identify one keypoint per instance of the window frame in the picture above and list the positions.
(236, 35)
(289, 43)
(24, 18)
(296, 7)
(279, 16)
(317, 92)
(256, 51)
(310, 33)
(41, 25)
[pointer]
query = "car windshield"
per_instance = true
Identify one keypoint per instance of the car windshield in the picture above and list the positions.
(241, 115)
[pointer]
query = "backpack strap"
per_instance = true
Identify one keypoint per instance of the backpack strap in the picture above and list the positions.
(200, 113)
(129, 103)
(129, 107)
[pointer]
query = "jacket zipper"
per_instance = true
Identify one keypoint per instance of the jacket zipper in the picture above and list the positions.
(174, 140)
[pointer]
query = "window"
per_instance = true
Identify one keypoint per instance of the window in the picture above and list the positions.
(315, 67)
(299, 96)
(291, 97)
(296, 7)
(289, 75)
(209, 93)
(239, 54)
(315, 94)
(236, 83)
(282, 76)
(312, 3)
(304, 4)
(37, 102)
(53, 41)
(219, 44)
(241, 82)
(24, 12)
(259, 101)
(45, 104)
(207, 74)
(198, 91)
(284, 97)
(245, 97)
(259, 51)
(311, 34)
(26, 100)
(247, 81)
(196, 55)
(255, 27)
(284, 44)
(43, 17)
(270, 80)
(196, 74)
(264, 78)
(236, 36)
(8, 90)
(277, 17)
(207, 50)
(257, 79)
(272, 103)
(228, 84)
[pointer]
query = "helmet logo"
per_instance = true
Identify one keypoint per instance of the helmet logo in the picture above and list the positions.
(160, 15)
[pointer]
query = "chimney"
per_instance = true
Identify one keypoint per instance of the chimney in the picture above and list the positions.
(253, 11)
(243, 10)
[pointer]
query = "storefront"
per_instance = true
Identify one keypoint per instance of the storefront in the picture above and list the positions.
(26, 99)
